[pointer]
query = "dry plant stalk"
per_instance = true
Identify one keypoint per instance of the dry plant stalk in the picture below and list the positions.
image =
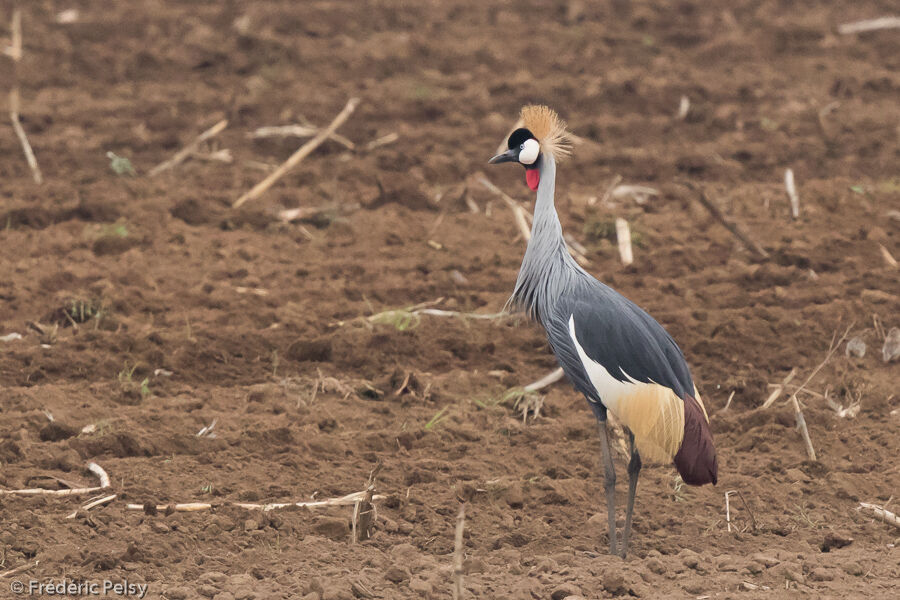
(736, 231)
(793, 196)
(882, 513)
(15, 98)
(730, 398)
(778, 389)
(728, 509)
(888, 257)
(684, 105)
(801, 421)
(515, 207)
(95, 503)
(302, 131)
(163, 508)
(545, 381)
(458, 554)
(641, 194)
(383, 141)
(804, 430)
(297, 157)
(364, 511)
(623, 236)
(20, 569)
(348, 500)
(609, 190)
(869, 25)
(190, 149)
(92, 467)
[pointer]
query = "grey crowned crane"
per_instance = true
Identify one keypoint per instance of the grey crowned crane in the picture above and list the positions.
(613, 352)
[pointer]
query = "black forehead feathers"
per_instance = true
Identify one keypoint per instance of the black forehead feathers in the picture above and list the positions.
(518, 137)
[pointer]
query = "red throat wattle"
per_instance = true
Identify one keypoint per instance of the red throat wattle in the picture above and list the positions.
(532, 178)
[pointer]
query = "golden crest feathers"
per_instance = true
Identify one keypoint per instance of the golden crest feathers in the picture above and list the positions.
(548, 129)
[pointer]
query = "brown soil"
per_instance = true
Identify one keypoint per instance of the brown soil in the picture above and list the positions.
(143, 275)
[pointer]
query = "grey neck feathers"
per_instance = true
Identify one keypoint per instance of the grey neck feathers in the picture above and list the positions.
(547, 271)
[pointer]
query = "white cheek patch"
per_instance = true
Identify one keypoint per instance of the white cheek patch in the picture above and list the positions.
(529, 152)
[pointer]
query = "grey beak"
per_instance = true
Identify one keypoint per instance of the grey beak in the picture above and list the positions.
(511, 155)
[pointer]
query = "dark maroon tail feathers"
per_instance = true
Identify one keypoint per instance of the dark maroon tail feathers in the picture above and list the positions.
(696, 460)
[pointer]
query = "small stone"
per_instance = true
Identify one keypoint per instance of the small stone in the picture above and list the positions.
(514, 496)
(689, 558)
(796, 475)
(243, 592)
(419, 585)
(655, 566)
(389, 525)
(207, 591)
(614, 583)
(834, 540)
(251, 525)
(564, 591)
(404, 553)
(212, 577)
(855, 347)
(314, 586)
(545, 565)
(177, 593)
(159, 527)
(694, 588)
(337, 594)
(729, 564)
(474, 565)
(765, 560)
(396, 575)
(224, 596)
(791, 571)
(821, 574)
(333, 528)
(597, 525)
(853, 568)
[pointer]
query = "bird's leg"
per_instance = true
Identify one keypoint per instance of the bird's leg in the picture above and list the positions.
(609, 484)
(634, 468)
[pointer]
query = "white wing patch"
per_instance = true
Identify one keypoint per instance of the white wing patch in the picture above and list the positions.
(608, 387)
(653, 413)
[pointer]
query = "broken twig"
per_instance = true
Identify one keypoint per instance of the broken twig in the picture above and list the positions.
(778, 389)
(623, 236)
(751, 245)
(90, 505)
(869, 25)
(92, 467)
(301, 131)
(15, 99)
(545, 381)
(190, 149)
(882, 513)
(20, 569)
(458, 554)
(297, 157)
(801, 421)
(793, 196)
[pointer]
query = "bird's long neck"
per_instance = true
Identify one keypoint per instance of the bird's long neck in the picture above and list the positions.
(547, 268)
